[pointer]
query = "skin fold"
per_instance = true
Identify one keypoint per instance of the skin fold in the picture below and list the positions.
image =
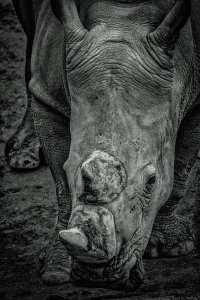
(115, 88)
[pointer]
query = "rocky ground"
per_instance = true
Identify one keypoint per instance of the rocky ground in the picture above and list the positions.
(28, 206)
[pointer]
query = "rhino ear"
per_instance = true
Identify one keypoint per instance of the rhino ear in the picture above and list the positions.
(167, 32)
(67, 13)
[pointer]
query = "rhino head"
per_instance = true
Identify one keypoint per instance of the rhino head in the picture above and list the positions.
(120, 74)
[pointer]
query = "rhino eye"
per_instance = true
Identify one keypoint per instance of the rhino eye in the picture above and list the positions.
(152, 180)
(150, 184)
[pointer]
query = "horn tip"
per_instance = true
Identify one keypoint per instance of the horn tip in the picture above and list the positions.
(74, 237)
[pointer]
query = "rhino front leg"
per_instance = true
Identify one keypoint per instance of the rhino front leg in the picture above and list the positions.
(23, 150)
(172, 235)
(54, 134)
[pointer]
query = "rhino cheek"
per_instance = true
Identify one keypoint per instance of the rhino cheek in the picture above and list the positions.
(133, 221)
(127, 217)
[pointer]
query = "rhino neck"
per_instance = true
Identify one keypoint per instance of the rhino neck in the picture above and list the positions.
(125, 271)
(184, 88)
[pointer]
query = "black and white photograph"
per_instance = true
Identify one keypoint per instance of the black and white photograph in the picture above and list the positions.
(99, 149)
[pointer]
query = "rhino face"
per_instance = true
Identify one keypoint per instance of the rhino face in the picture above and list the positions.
(119, 70)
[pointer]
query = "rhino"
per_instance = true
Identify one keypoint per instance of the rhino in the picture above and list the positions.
(115, 92)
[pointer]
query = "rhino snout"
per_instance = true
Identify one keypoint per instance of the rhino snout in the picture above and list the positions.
(91, 235)
(101, 178)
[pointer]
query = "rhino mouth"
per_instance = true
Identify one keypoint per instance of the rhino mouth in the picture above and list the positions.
(112, 275)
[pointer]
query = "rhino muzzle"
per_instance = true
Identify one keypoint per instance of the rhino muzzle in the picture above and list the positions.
(91, 235)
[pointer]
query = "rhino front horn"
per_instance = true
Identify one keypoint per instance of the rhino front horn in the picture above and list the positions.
(74, 240)
(91, 235)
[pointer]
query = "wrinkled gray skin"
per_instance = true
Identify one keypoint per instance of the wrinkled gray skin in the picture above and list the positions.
(116, 109)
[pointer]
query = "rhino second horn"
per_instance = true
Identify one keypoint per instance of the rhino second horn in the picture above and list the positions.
(74, 238)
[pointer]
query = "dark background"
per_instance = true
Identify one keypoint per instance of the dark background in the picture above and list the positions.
(28, 205)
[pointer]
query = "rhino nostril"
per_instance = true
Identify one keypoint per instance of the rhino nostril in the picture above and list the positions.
(118, 167)
(87, 178)
(87, 183)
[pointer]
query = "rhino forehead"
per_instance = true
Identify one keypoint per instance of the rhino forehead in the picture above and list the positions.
(115, 55)
(119, 12)
(110, 61)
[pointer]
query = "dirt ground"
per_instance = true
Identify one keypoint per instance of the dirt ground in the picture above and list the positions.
(28, 206)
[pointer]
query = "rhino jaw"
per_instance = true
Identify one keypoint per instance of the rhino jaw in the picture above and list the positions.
(91, 237)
